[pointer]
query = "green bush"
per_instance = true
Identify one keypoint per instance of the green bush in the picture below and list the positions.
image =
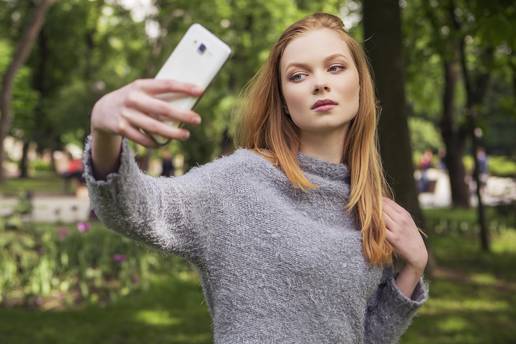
(39, 182)
(502, 166)
(40, 166)
(456, 220)
(423, 135)
(499, 166)
(70, 264)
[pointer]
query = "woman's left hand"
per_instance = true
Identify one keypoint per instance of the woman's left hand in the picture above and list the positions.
(404, 236)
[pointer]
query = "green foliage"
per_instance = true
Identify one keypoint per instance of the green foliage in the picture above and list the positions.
(498, 115)
(45, 182)
(429, 40)
(41, 166)
(423, 135)
(502, 166)
(69, 264)
(71, 110)
(24, 98)
(105, 47)
(499, 166)
(423, 64)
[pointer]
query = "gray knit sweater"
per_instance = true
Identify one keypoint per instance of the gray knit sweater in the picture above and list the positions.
(277, 265)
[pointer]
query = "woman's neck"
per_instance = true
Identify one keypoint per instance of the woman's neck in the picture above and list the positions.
(327, 146)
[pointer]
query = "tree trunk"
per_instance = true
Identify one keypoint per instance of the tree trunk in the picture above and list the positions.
(23, 166)
(382, 30)
(22, 51)
(53, 166)
(485, 240)
(475, 85)
(454, 139)
(41, 135)
(383, 43)
(474, 96)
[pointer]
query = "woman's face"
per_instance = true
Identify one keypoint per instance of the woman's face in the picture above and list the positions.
(318, 66)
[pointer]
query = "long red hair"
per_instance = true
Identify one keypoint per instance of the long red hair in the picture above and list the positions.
(266, 129)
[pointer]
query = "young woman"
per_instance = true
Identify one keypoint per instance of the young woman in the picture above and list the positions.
(293, 234)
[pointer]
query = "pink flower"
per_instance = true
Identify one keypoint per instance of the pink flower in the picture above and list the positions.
(62, 233)
(119, 258)
(83, 227)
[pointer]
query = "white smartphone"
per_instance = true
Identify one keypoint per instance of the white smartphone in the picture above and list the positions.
(196, 59)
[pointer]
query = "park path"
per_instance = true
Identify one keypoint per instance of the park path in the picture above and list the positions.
(53, 209)
(497, 190)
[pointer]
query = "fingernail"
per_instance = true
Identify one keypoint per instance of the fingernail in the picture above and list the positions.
(197, 120)
(187, 134)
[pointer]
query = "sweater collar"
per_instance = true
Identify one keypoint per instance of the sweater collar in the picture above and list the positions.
(323, 168)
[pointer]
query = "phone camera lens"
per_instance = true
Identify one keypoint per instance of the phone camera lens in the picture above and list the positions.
(202, 48)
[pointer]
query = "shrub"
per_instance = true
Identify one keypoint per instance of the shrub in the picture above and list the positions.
(71, 264)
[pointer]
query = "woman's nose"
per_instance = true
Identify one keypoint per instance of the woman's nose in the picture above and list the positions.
(320, 87)
(320, 84)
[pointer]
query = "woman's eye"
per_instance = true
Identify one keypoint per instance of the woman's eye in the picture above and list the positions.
(336, 68)
(296, 77)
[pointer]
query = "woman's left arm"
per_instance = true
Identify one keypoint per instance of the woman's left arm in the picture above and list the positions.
(407, 280)
(403, 235)
(391, 309)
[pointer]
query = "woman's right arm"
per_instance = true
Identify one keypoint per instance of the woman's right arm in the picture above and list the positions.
(105, 152)
(158, 211)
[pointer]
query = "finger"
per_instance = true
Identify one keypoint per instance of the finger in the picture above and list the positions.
(390, 237)
(394, 206)
(156, 86)
(391, 211)
(151, 125)
(391, 203)
(389, 221)
(137, 136)
(159, 109)
(390, 232)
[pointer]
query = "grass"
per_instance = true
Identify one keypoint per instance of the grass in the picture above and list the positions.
(472, 300)
(473, 297)
(172, 310)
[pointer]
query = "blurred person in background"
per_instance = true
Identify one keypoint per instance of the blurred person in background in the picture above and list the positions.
(425, 163)
(167, 164)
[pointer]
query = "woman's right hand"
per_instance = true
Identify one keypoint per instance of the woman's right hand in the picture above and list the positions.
(133, 107)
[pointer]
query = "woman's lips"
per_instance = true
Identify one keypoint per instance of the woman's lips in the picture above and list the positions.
(323, 105)
(325, 108)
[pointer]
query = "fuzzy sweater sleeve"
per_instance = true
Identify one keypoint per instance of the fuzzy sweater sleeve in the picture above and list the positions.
(159, 211)
(389, 312)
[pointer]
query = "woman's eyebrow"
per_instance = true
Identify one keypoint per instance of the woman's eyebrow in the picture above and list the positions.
(306, 66)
